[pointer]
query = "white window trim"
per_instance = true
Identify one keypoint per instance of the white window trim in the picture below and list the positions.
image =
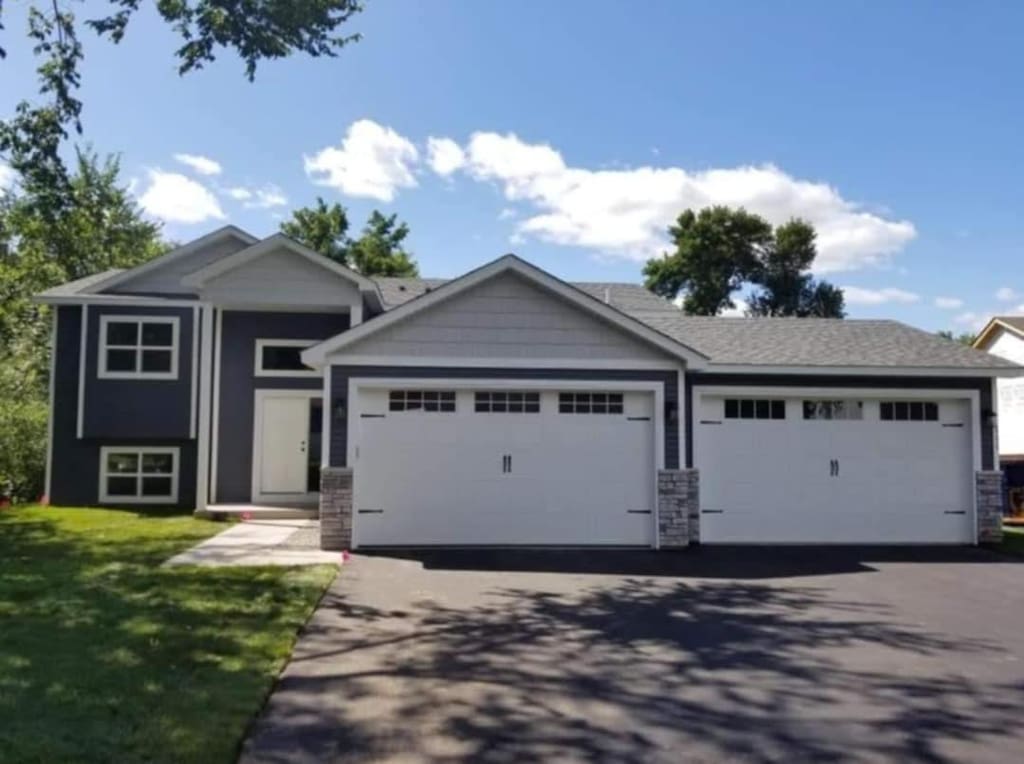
(175, 324)
(259, 371)
(106, 498)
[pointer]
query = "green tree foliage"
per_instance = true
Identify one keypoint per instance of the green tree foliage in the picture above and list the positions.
(718, 250)
(966, 338)
(99, 227)
(256, 30)
(379, 250)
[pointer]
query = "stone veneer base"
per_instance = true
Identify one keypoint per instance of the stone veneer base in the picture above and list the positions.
(335, 508)
(678, 508)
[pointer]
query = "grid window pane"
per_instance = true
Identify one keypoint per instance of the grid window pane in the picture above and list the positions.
(421, 400)
(158, 464)
(156, 486)
(732, 408)
(746, 409)
(886, 412)
(156, 360)
(778, 409)
(585, 403)
(909, 411)
(122, 333)
(761, 409)
(121, 360)
(902, 410)
(282, 358)
(157, 335)
(931, 412)
(122, 486)
(123, 463)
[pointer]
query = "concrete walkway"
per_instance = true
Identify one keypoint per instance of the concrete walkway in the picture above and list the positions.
(261, 542)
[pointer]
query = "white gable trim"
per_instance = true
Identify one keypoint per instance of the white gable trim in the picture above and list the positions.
(272, 244)
(317, 355)
(986, 334)
(174, 254)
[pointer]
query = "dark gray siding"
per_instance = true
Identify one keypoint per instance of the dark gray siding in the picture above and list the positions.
(76, 463)
(133, 408)
(238, 384)
(982, 385)
(340, 376)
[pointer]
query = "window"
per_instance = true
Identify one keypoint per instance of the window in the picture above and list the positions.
(754, 408)
(421, 400)
(507, 403)
(283, 358)
(138, 347)
(590, 403)
(134, 475)
(909, 411)
(848, 410)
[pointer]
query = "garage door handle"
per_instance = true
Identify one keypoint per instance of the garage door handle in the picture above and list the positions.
(712, 511)
(955, 512)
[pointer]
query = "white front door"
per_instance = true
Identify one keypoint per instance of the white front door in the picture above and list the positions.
(579, 473)
(283, 443)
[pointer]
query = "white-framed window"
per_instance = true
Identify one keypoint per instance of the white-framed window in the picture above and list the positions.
(847, 410)
(422, 400)
(283, 358)
(754, 408)
(139, 474)
(908, 411)
(590, 403)
(507, 402)
(138, 347)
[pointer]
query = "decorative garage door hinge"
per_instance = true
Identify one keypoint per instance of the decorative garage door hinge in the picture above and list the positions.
(371, 511)
(710, 421)
(638, 419)
(638, 511)
(373, 416)
(712, 511)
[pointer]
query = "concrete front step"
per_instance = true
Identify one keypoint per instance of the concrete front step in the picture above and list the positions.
(257, 512)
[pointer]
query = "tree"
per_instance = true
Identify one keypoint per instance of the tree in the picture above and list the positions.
(967, 338)
(718, 250)
(377, 252)
(30, 141)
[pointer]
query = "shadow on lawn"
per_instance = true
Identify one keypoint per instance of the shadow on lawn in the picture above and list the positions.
(638, 670)
(105, 656)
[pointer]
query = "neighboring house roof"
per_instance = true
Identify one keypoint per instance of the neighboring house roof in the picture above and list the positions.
(1013, 324)
(316, 355)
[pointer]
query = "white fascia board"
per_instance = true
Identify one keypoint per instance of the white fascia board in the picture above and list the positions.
(317, 355)
(271, 243)
(174, 254)
(496, 362)
(866, 371)
(110, 299)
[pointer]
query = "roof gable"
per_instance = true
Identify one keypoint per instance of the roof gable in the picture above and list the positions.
(1013, 325)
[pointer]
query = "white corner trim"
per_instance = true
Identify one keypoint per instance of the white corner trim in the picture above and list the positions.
(355, 315)
(49, 417)
(138, 498)
(215, 436)
(317, 355)
(203, 414)
(194, 385)
(328, 415)
(259, 371)
(83, 361)
(175, 348)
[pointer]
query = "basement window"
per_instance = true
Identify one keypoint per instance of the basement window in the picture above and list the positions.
(507, 403)
(909, 411)
(590, 403)
(138, 475)
(754, 408)
(421, 400)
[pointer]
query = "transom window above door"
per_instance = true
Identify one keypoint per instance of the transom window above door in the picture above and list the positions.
(754, 408)
(507, 403)
(283, 358)
(421, 400)
(138, 347)
(849, 410)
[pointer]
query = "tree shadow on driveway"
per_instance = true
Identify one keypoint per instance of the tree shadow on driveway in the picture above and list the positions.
(452, 665)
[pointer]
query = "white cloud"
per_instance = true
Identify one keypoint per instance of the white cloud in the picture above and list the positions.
(202, 165)
(373, 161)
(507, 214)
(975, 321)
(173, 198)
(859, 296)
(1006, 294)
(238, 193)
(444, 156)
(949, 303)
(625, 212)
(264, 198)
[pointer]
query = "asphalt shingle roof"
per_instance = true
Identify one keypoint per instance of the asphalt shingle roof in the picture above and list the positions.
(810, 342)
(74, 287)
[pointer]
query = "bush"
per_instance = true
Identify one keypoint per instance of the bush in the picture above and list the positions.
(22, 448)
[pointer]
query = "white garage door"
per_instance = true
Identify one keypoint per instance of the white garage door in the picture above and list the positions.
(463, 467)
(814, 470)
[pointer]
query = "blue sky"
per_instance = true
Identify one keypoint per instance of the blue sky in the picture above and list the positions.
(572, 133)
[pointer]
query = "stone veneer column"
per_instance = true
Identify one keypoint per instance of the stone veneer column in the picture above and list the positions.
(335, 508)
(988, 486)
(678, 508)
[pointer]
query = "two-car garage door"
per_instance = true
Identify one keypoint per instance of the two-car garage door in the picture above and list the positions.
(814, 469)
(504, 466)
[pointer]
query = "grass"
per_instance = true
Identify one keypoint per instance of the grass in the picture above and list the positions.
(104, 656)
(1013, 540)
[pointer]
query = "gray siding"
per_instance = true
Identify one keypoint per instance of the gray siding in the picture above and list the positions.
(281, 278)
(506, 317)
(983, 386)
(238, 384)
(340, 376)
(166, 279)
(131, 408)
(76, 463)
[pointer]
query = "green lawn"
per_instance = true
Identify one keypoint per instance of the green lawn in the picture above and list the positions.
(104, 656)
(1013, 540)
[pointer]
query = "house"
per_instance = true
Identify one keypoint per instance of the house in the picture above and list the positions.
(508, 407)
(1003, 336)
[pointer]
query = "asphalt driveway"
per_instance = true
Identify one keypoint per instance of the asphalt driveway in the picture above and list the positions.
(707, 655)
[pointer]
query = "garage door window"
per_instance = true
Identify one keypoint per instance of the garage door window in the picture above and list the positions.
(909, 411)
(590, 403)
(848, 410)
(421, 400)
(507, 403)
(754, 408)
